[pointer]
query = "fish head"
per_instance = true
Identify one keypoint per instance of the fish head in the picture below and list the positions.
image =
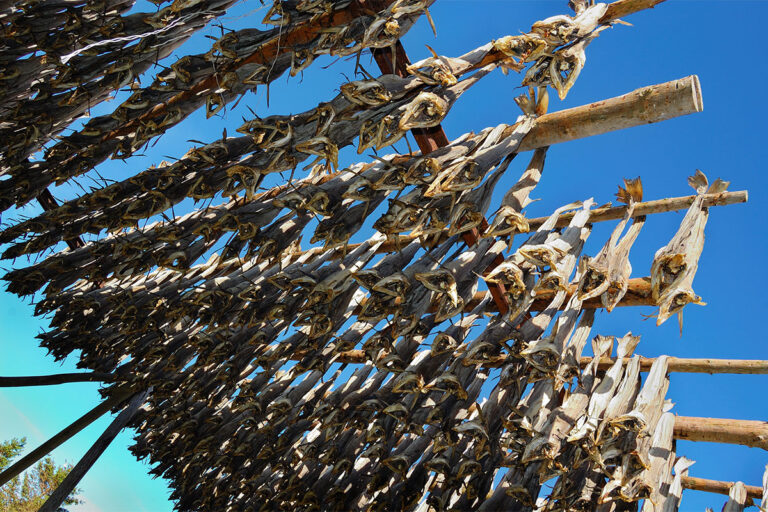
(425, 111)
(506, 222)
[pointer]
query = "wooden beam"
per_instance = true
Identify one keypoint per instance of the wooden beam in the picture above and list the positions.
(638, 294)
(669, 204)
(615, 10)
(56, 499)
(68, 432)
(676, 364)
(599, 215)
(646, 105)
(718, 487)
(60, 378)
(431, 139)
(717, 430)
(685, 365)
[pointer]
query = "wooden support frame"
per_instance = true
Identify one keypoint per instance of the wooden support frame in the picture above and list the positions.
(69, 483)
(694, 365)
(64, 435)
(718, 486)
(429, 139)
(719, 430)
(59, 378)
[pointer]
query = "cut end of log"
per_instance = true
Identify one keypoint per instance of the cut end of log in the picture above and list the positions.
(698, 99)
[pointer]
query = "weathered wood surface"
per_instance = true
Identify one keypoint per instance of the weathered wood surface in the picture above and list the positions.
(696, 365)
(718, 430)
(50, 380)
(643, 106)
(718, 486)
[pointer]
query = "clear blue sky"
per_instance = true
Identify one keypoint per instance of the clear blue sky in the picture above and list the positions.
(718, 40)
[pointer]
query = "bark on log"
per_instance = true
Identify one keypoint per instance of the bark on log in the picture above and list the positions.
(60, 378)
(643, 106)
(716, 430)
(669, 204)
(676, 364)
(685, 365)
(638, 294)
(47, 447)
(718, 486)
(56, 499)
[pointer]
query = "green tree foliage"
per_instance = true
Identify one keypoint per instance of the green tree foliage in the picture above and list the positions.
(28, 491)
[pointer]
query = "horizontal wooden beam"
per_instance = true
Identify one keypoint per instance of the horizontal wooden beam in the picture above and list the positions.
(608, 213)
(638, 294)
(646, 105)
(670, 204)
(60, 378)
(718, 486)
(685, 365)
(718, 430)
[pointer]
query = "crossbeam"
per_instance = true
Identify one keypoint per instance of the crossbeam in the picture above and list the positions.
(718, 486)
(684, 365)
(59, 378)
(719, 430)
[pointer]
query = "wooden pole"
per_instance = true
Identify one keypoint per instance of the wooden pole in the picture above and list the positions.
(681, 365)
(56, 499)
(676, 364)
(429, 140)
(716, 430)
(47, 447)
(718, 487)
(60, 378)
(638, 294)
(643, 106)
(669, 204)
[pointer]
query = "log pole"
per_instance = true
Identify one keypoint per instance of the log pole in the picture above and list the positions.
(646, 105)
(685, 365)
(718, 487)
(717, 430)
(56, 499)
(68, 432)
(670, 204)
(60, 378)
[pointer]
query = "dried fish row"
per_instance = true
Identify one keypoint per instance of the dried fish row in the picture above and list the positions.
(78, 81)
(362, 376)
(287, 141)
(273, 144)
(235, 64)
